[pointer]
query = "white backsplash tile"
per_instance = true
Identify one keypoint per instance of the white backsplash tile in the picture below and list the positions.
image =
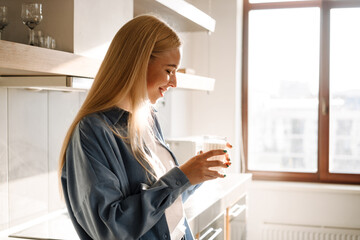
(4, 204)
(28, 155)
(82, 96)
(63, 107)
(33, 125)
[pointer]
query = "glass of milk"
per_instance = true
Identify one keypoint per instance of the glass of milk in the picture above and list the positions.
(212, 143)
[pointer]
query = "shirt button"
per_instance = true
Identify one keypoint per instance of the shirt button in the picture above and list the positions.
(178, 183)
(165, 236)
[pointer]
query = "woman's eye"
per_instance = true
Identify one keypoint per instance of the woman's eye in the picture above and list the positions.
(169, 72)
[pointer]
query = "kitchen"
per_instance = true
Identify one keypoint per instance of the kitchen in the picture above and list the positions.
(184, 112)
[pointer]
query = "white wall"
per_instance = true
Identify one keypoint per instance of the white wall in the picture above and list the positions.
(96, 23)
(313, 207)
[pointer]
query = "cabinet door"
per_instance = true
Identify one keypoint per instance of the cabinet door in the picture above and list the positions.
(215, 231)
(237, 220)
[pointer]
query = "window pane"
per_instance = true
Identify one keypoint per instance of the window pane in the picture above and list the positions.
(283, 89)
(344, 91)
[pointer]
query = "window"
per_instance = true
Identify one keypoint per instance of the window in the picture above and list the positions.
(301, 90)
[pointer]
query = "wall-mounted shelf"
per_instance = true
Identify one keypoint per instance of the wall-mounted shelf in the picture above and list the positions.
(23, 60)
(181, 15)
(190, 81)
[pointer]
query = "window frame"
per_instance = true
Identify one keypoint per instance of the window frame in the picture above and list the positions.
(323, 174)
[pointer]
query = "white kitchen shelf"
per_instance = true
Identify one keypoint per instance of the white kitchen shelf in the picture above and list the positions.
(181, 15)
(34, 63)
(23, 59)
(190, 81)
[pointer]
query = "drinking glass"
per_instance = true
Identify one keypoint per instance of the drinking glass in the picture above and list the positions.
(3, 18)
(212, 143)
(31, 15)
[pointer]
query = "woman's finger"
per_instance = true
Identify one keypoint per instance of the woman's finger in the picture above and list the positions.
(215, 174)
(216, 163)
(228, 145)
(213, 153)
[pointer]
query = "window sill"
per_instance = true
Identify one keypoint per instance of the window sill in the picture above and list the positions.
(304, 186)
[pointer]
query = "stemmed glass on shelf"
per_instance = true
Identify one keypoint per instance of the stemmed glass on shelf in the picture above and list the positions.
(3, 18)
(31, 15)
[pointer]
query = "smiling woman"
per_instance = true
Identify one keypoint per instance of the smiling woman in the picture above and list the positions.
(119, 179)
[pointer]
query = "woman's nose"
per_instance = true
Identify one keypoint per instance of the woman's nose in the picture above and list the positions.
(173, 81)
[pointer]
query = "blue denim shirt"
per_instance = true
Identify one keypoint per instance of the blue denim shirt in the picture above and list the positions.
(108, 193)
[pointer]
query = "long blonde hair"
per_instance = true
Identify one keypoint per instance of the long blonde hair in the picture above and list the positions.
(122, 75)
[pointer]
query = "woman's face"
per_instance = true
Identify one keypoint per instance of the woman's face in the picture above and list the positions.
(161, 73)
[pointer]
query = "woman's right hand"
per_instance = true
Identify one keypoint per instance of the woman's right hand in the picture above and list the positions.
(197, 169)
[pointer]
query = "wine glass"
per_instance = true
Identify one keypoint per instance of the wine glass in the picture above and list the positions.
(3, 18)
(31, 15)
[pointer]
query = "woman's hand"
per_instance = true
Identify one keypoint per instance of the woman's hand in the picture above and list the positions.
(197, 168)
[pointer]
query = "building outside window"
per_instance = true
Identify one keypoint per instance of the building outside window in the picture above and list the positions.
(301, 90)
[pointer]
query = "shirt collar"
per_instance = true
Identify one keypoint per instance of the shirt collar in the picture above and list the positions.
(116, 114)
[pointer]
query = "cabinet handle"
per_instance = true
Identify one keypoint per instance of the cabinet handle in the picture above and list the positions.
(206, 233)
(236, 210)
(216, 233)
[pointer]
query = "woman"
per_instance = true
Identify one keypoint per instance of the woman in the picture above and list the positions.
(119, 179)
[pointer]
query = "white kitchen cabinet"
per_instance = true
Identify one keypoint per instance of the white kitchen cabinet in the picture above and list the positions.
(236, 219)
(214, 231)
(218, 204)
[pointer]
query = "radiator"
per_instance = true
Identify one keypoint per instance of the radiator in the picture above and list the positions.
(275, 231)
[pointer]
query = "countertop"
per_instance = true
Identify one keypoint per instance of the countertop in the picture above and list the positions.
(208, 202)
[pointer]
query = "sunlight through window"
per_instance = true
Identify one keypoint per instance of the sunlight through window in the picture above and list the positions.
(283, 86)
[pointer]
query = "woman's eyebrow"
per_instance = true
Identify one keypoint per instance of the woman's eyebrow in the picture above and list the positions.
(172, 65)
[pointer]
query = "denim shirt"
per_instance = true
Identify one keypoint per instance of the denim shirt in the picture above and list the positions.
(108, 194)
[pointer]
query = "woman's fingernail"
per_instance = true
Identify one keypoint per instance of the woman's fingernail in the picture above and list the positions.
(224, 175)
(225, 150)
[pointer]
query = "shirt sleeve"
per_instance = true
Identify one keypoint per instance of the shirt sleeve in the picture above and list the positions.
(98, 192)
